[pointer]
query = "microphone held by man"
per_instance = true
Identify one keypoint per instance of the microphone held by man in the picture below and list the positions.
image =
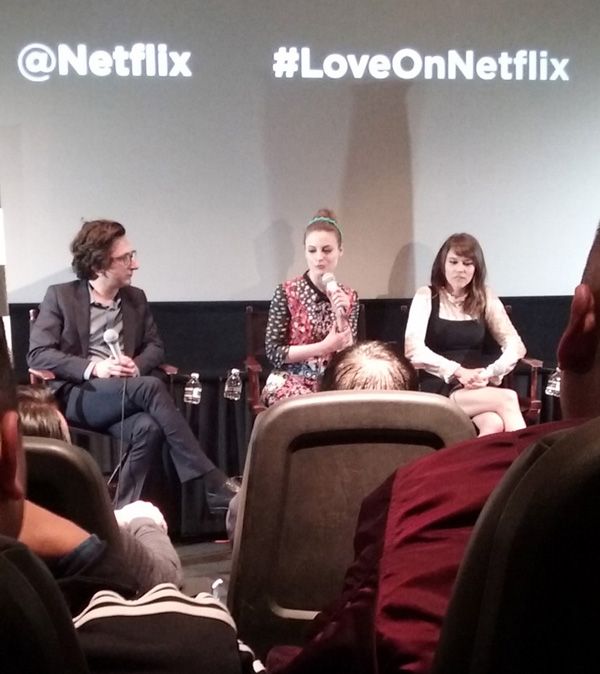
(117, 364)
(111, 337)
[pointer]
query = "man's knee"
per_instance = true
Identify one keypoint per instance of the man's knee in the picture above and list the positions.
(152, 385)
(147, 391)
(145, 428)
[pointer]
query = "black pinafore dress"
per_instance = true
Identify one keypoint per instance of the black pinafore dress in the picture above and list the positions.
(461, 341)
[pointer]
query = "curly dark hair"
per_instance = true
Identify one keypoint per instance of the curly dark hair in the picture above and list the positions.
(92, 245)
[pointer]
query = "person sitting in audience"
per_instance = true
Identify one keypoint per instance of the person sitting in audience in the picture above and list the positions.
(40, 415)
(306, 325)
(147, 550)
(107, 387)
(119, 629)
(445, 336)
(412, 530)
(371, 365)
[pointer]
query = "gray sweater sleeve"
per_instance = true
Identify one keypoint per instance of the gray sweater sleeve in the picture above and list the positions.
(150, 554)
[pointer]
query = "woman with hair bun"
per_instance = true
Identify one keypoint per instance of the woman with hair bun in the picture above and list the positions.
(445, 334)
(307, 324)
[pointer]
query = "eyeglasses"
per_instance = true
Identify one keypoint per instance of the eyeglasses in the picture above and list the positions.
(126, 259)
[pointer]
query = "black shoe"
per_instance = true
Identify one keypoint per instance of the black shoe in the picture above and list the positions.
(218, 500)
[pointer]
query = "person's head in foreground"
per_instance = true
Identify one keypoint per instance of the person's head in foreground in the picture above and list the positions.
(578, 352)
(39, 414)
(369, 365)
(12, 458)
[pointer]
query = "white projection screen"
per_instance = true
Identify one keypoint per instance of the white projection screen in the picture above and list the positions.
(412, 119)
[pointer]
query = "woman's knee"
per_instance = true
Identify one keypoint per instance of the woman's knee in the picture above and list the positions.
(509, 398)
(488, 422)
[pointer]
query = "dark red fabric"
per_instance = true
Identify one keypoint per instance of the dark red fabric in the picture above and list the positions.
(434, 506)
(410, 540)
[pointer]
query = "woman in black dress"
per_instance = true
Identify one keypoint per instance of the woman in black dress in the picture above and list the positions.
(445, 335)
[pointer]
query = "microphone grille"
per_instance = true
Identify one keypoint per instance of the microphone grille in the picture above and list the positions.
(328, 278)
(110, 336)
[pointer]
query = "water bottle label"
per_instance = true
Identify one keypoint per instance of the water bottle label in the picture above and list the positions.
(233, 386)
(192, 394)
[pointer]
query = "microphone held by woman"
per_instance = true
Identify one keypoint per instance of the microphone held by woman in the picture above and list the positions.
(333, 293)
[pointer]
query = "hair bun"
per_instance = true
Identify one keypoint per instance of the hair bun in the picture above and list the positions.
(325, 213)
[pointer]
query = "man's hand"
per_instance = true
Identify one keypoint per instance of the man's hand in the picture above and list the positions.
(128, 367)
(111, 367)
(145, 509)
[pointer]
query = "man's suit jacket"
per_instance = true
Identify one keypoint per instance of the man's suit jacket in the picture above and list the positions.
(60, 336)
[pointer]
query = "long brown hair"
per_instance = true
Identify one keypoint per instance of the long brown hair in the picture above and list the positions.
(464, 245)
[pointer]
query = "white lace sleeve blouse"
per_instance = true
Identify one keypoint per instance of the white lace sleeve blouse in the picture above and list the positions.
(496, 320)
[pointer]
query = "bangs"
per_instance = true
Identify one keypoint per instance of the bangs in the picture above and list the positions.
(463, 247)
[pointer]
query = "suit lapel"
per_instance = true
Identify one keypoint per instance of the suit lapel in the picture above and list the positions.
(129, 323)
(82, 312)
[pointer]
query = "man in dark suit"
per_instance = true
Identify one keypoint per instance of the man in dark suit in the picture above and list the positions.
(103, 391)
(121, 625)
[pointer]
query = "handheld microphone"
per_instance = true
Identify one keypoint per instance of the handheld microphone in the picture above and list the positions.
(111, 338)
(341, 320)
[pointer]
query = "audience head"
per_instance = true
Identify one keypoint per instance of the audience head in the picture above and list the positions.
(579, 348)
(368, 365)
(12, 459)
(92, 247)
(39, 414)
(464, 248)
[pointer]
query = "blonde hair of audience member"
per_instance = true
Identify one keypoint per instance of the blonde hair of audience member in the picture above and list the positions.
(365, 365)
(371, 365)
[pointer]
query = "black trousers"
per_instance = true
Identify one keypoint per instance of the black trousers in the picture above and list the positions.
(142, 412)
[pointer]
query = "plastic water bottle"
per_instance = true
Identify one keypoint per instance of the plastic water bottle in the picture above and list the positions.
(233, 385)
(553, 385)
(193, 390)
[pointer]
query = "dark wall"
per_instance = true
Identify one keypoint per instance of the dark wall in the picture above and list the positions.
(209, 336)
